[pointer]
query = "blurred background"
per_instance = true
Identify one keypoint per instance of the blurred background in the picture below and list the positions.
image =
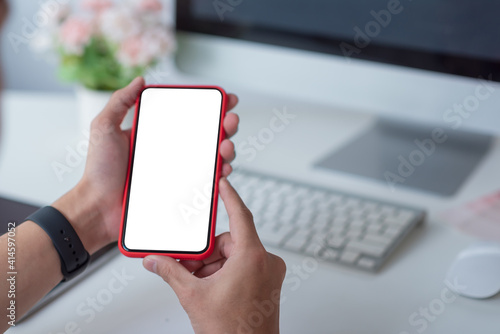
(25, 69)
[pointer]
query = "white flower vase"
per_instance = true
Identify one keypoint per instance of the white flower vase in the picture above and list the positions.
(91, 103)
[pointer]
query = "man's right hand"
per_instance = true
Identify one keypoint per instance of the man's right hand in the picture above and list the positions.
(237, 289)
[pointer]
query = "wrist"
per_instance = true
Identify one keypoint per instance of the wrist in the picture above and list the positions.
(80, 208)
(239, 323)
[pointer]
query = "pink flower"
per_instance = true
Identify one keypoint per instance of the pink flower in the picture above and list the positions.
(75, 33)
(146, 48)
(97, 5)
(150, 5)
(133, 52)
(119, 24)
(159, 41)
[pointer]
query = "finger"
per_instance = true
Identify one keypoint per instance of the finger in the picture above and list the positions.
(241, 224)
(231, 122)
(227, 150)
(169, 269)
(121, 101)
(128, 133)
(210, 269)
(232, 101)
(279, 264)
(227, 169)
(192, 265)
(222, 249)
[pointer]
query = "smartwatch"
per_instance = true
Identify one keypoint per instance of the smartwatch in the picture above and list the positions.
(74, 258)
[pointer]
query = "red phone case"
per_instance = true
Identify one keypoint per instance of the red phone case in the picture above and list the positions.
(222, 135)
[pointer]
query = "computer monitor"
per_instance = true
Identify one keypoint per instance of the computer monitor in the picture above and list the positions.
(428, 69)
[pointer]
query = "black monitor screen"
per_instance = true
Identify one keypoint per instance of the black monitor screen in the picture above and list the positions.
(456, 37)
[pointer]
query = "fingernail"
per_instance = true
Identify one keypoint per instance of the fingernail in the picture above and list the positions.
(150, 264)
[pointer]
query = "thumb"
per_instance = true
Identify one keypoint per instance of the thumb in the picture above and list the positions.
(172, 272)
(121, 101)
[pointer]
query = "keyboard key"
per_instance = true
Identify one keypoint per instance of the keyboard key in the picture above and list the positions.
(367, 263)
(374, 216)
(272, 236)
(286, 219)
(355, 228)
(366, 248)
(405, 214)
(340, 220)
(321, 227)
(393, 231)
(307, 213)
(357, 224)
(370, 206)
(335, 229)
(302, 221)
(352, 202)
(335, 241)
(377, 239)
(349, 256)
(353, 234)
(388, 210)
(396, 221)
(357, 214)
(329, 254)
(313, 249)
(297, 240)
(322, 219)
(374, 228)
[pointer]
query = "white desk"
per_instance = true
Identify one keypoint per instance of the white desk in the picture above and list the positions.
(332, 299)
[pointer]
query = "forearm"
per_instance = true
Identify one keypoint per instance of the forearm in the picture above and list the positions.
(37, 263)
(35, 272)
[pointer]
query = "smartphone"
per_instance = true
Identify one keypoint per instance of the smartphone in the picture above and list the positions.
(171, 193)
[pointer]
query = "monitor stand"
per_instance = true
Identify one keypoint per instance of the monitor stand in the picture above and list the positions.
(403, 154)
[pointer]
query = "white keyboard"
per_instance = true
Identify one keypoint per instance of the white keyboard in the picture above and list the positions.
(322, 223)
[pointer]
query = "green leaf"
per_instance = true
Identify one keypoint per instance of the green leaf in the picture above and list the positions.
(97, 68)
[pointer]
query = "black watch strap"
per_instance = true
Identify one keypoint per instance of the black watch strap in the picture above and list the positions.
(74, 257)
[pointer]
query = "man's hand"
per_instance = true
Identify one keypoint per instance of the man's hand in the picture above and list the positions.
(94, 206)
(237, 289)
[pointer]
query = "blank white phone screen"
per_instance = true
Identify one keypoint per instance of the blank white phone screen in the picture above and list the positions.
(173, 170)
